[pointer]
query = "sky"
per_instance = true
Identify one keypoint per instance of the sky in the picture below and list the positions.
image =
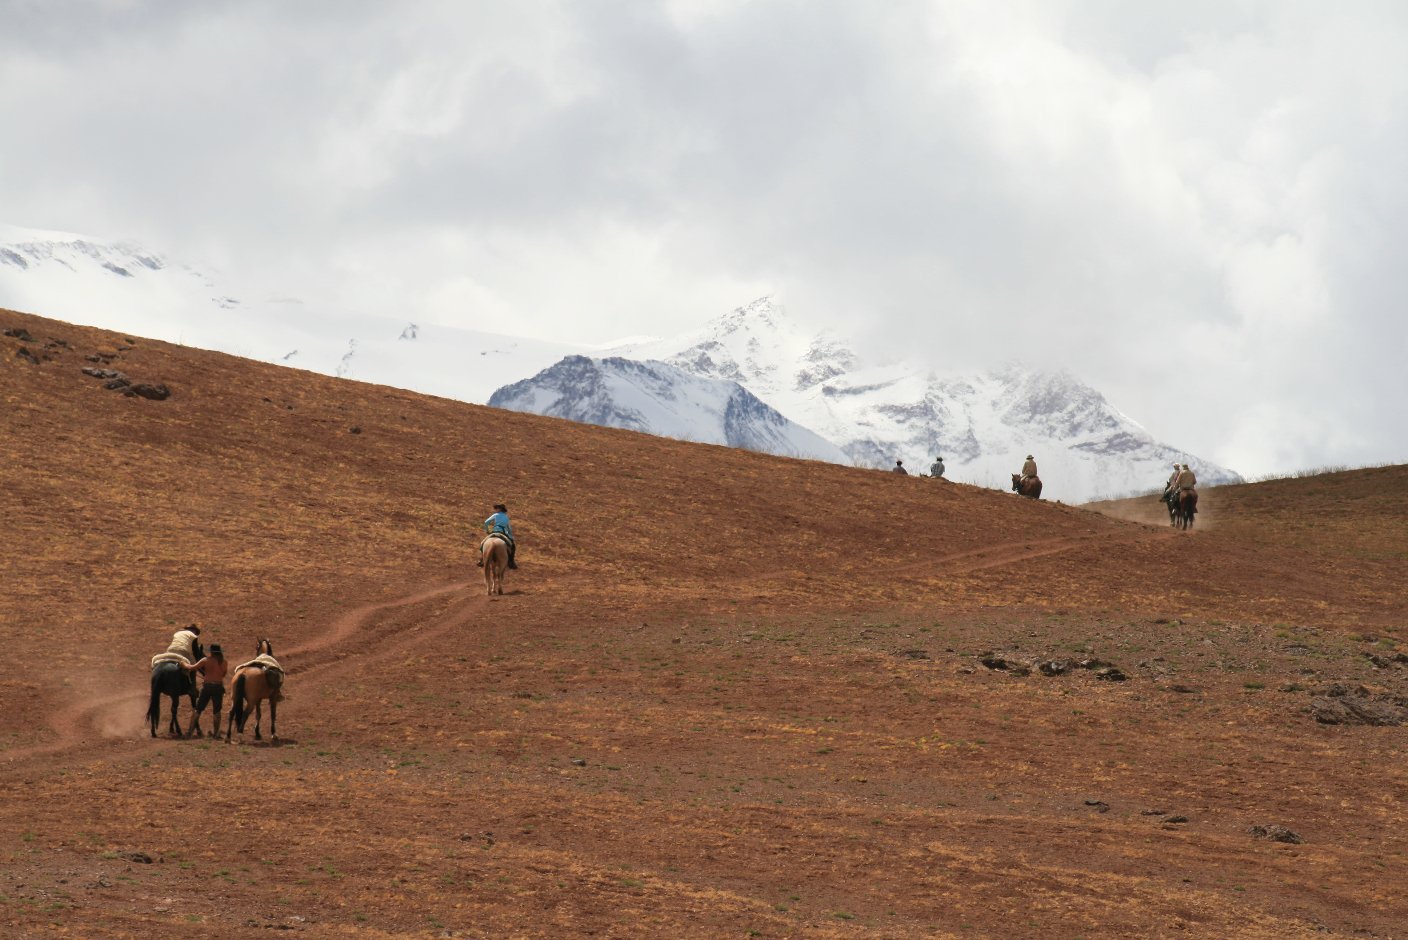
(1197, 207)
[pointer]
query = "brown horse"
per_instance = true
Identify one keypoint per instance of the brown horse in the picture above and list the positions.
(493, 552)
(1184, 508)
(1028, 488)
(258, 681)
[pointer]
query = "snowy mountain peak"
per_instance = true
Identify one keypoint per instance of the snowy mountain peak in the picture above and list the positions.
(658, 398)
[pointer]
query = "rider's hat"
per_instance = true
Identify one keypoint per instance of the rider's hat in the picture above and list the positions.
(215, 649)
(1030, 457)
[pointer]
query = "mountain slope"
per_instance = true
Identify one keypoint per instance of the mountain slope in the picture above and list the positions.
(129, 288)
(660, 399)
(712, 659)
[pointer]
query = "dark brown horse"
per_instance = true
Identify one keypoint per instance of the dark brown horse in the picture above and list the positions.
(171, 680)
(1030, 488)
(1185, 506)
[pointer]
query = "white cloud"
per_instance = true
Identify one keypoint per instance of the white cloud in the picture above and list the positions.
(1195, 205)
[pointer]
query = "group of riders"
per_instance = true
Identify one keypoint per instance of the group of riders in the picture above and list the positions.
(936, 469)
(1181, 481)
(186, 653)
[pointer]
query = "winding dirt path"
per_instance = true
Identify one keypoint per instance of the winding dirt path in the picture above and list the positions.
(85, 721)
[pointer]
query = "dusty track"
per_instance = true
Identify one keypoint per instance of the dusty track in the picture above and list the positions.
(77, 724)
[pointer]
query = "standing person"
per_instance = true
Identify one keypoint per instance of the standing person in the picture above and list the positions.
(899, 468)
(499, 524)
(1029, 468)
(213, 668)
(937, 469)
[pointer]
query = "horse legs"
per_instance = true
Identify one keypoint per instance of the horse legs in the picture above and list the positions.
(258, 714)
(273, 720)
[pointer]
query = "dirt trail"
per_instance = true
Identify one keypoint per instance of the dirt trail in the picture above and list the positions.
(85, 722)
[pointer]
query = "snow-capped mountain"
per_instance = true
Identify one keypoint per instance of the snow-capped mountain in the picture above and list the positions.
(129, 288)
(983, 424)
(661, 399)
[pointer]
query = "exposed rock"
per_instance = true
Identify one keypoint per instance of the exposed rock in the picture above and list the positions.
(117, 383)
(1153, 812)
(1092, 663)
(1182, 689)
(1355, 710)
(1099, 805)
(1111, 674)
(153, 392)
(21, 334)
(1276, 834)
(141, 858)
(993, 661)
(104, 373)
(1054, 667)
(913, 654)
(24, 353)
(1176, 819)
(355, 429)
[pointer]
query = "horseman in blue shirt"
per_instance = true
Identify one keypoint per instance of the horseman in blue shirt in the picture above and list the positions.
(499, 524)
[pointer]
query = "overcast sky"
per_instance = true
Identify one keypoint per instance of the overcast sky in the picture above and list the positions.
(1198, 207)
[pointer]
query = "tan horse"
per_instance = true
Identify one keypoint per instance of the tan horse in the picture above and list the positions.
(1030, 488)
(258, 681)
(493, 552)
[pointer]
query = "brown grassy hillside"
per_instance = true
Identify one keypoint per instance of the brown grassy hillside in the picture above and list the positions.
(769, 670)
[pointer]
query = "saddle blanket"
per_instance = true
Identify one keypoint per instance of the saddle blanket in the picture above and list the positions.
(273, 673)
(170, 657)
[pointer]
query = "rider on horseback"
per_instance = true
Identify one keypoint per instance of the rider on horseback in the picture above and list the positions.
(1169, 486)
(936, 470)
(1028, 469)
(498, 524)
(1185, 479)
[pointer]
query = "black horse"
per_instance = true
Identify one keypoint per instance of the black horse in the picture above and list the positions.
(170, 679)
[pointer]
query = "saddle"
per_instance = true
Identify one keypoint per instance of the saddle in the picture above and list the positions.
(502, 536)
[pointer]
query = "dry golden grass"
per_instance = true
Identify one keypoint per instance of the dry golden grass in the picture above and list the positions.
(768, 668)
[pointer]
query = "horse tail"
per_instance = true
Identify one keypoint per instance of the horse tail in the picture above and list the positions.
(237, 704)
(154, 707)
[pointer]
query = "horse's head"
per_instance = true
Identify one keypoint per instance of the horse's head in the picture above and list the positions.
(263, 648)
(1016, 482)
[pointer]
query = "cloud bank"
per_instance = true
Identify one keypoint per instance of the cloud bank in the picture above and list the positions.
(1194, 206)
